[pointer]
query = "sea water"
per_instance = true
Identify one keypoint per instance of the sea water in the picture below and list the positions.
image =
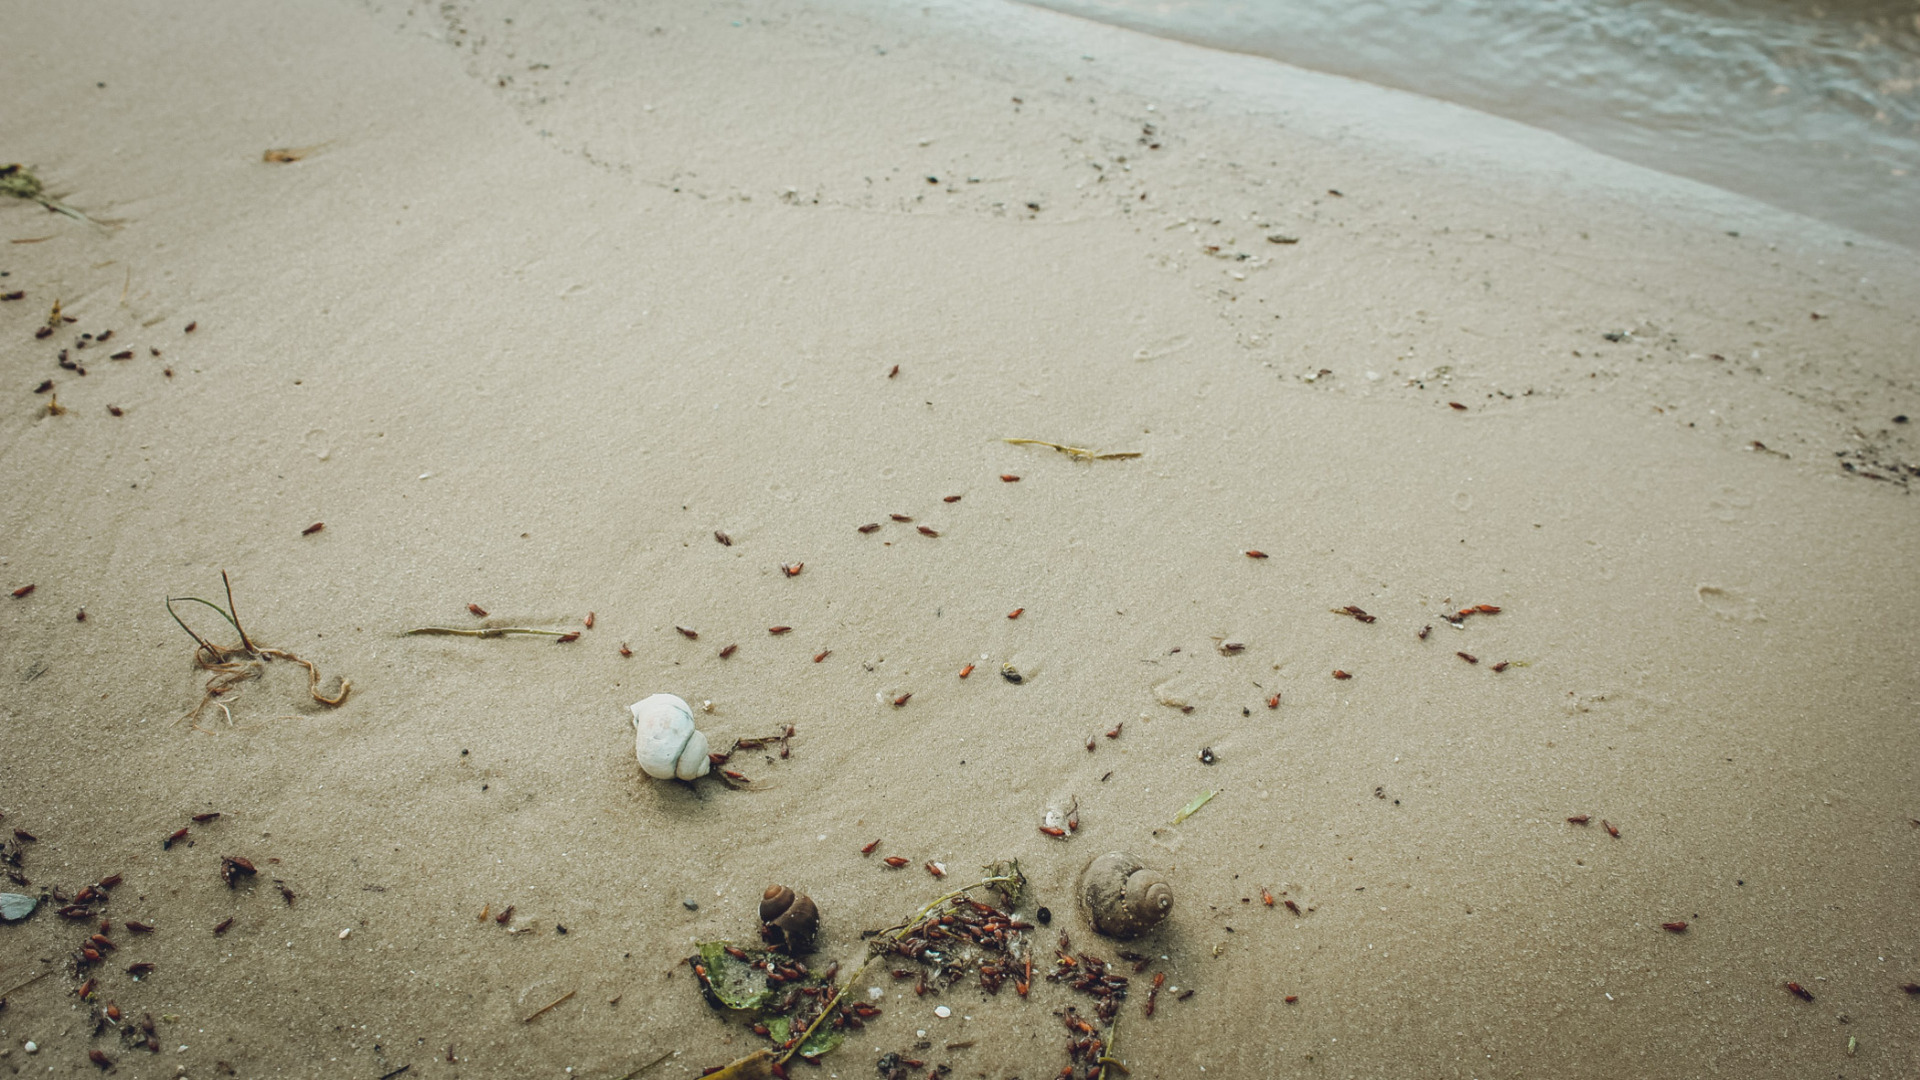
(1814, 108)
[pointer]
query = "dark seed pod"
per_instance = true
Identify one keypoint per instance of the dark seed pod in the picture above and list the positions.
(775, 900)
(797, 924)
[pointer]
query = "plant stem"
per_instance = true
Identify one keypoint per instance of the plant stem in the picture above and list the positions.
(854, 979)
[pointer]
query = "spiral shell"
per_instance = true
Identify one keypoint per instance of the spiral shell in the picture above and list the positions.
(665, 740)
(1123, 897)
(790, 920)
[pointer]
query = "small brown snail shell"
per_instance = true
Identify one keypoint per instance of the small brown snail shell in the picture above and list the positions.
(789, 920)
(1122, 896)
(775, 900)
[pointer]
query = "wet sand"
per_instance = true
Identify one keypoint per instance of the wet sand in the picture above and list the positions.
(558, 292)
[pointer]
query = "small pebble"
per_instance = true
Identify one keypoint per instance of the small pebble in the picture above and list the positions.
(345, 934)
(691, 905)
(31, 1047)
(942, 1011)
(1044, 916)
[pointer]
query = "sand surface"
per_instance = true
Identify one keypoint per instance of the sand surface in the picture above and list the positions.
(559, 290)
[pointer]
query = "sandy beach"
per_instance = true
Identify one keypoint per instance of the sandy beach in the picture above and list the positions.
(553, 294)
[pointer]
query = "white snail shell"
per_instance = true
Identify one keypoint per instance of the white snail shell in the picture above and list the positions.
(665, 740)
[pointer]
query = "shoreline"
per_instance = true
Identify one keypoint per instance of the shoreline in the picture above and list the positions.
(554, 300)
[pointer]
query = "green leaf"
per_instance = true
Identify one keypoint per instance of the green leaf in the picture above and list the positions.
(1188, 810)
(823, 1039)
(732, 982)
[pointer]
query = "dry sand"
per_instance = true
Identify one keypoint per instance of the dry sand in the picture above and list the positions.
(564, 288)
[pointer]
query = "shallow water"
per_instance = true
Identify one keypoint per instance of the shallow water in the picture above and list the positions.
(1814, 109)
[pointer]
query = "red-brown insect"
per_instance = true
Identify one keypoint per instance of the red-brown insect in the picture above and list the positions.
(894, 861)
(1265, 896)
(725, 540)
(1292, 999)
(1677, 927)
(822, 655)
(1579, 819)
(895, 371)
(868, 850)
(477, 611)
(103, 943)
(24, 590)
(168, 372)
(139, 927)
(1799, 991)
(1424, 631)
(1089, 746)
(1468, 657)
(192, 326)
(1015, 613)
(115, 410)
(223, 925)
(505, 916)
(728, 651)
(1911, 988)
(168, 843)
(313, 528)
(688, 632)
(123, 354)
(17, 294)
(966, 671)
(951, 498)
(1054, 831)
(100, 1059)
(104, 335)
(43, 387)
(1291, 906)
(588, 621)
(1501, 666)
(792, 569)
(567, 639)
(924, 531)
(869, 527)
(935, 869)
(1612, 829)
(625, 650)
(152, 350)
(1273, 702)
(1257, 555)
(899, 517)
(85, 895)
(1457, 405)
(1486, 609)
(1356, 612)
(1338, 674)
(1009, 478)
(1115, 733)
(80, 616)
(902, 699)
(43, 332)
(140, 969)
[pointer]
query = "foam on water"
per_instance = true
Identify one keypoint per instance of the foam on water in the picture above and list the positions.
(1813, 109)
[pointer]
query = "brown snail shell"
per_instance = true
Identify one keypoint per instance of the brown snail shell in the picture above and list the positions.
(1123, 897)
(775, 900)
(789, 920)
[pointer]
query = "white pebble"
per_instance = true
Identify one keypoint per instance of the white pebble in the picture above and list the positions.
(345, 934)
(31, 1047)
(876, 993)
(942, 1011)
